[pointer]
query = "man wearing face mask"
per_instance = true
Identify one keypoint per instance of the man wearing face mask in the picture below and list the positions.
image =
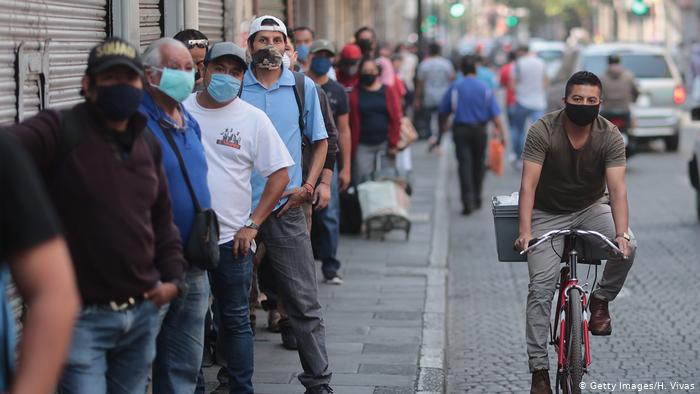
(303, 37)
(366, 39)
(326, 229)
(104, 175)
(198, 44)
(170, 78)
(238, 138)
(570, 156)
(270, 87)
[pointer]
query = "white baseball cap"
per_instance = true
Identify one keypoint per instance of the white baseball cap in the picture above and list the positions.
(257, 26)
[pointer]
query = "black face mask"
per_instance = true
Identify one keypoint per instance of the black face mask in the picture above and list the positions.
(365, 45)
(368, 79)
(581, 115)
(118, 102)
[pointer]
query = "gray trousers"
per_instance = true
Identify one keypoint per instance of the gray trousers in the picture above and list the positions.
(291, 258)
(543, 265)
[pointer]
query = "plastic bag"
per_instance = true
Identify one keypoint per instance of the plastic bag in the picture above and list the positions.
(496, 150)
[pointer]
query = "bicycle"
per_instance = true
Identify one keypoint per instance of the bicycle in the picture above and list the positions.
(569, 330)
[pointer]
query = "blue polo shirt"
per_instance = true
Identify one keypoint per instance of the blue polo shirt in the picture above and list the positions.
(189, 142)
(471, 101)
(279, 104)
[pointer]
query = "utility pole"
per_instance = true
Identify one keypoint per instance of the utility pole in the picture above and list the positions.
(419, 25)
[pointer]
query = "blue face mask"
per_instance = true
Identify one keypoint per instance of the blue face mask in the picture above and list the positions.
(223, 87)
(177, 84)
(303, 51)
(320, 65)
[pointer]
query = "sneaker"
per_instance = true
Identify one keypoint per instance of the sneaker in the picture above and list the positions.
(320, 389)
(289, 341)
(334, 279)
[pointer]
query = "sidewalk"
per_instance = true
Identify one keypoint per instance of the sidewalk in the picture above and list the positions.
(385, 324)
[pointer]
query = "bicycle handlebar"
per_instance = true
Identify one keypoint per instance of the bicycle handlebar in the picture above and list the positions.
(537, 241)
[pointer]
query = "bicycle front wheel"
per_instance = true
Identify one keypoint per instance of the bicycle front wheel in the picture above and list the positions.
(574, 344)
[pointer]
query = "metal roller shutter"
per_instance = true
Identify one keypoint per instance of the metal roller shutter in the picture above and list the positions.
(57, 36)
(273, 7)
(211, 19)
(150, 21)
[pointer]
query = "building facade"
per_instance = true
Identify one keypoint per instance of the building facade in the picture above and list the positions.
(44, 43)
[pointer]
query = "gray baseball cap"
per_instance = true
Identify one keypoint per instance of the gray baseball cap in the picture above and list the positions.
(322, 45)
(225, 49)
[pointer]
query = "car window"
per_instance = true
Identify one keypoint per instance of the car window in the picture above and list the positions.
(640, 65)
(550, 54)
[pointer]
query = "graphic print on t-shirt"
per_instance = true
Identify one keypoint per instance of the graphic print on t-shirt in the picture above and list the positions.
(230, 138)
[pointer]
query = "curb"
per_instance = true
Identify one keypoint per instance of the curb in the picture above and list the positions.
(431, 373)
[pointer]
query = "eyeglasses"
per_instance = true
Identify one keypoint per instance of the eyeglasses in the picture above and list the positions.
(201, 43)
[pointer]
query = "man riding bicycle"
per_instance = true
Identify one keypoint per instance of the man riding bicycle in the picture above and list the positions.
(569, 157)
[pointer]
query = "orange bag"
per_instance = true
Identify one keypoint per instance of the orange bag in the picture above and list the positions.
(496, 150)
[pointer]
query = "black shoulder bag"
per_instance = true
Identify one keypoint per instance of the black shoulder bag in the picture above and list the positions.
(202, 247)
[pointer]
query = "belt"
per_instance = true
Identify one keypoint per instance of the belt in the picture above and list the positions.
(119, 305)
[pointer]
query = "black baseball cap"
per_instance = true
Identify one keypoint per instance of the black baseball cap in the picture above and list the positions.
(114, 52)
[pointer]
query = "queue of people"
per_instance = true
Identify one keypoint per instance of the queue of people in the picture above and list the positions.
(188, 145)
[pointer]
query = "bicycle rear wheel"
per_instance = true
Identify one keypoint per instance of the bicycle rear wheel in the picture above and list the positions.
(574, 344)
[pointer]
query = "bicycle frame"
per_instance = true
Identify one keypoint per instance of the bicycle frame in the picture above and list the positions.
(561, 328)
(568, 280)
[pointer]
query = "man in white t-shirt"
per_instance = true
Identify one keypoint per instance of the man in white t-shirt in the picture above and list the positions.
(529, 80)
(238, 138)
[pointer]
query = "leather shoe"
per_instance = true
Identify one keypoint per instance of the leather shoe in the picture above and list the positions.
(540, 382)
(600, 322)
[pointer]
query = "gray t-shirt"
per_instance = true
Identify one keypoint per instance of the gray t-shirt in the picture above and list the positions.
(436, 74)
(571, 179)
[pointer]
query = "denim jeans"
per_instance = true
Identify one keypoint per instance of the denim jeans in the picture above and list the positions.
(180, 342)
(518, 125)
(111, 350)
(326, 231)
(231, 283)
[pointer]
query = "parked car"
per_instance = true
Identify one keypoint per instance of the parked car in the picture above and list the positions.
(552, 52)
(658, 111)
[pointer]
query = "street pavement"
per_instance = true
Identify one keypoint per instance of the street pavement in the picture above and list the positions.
(655, 319)
(385, 327)
(375, 320)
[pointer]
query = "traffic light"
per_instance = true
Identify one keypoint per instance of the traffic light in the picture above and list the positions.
(640, 7)
(457, 10)
(512, 21)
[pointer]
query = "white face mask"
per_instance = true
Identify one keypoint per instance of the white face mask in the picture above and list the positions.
(286, 61)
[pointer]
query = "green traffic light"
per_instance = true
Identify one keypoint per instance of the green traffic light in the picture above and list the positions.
(431, 20)
(639, 7)
(512, 21)
(457, 10)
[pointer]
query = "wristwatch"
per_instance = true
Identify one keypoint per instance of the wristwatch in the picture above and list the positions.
(251, 224)
(625, 236)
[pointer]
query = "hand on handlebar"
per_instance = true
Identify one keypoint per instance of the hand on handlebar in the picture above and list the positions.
(624, 246)
(522, 242)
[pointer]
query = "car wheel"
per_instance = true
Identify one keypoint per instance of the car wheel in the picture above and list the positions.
(672, 142)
